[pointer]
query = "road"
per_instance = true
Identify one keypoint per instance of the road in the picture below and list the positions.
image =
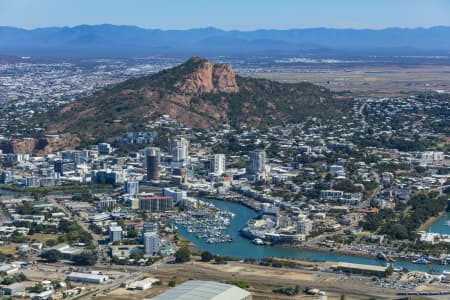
(363, 117)
(95, 236)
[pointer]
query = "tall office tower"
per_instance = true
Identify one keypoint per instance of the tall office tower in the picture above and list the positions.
(132, 188)
(152, 158)
(179, 149)
(217, 164)
(257, 162)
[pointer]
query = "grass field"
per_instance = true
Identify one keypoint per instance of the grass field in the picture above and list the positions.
(43, 237)
(8, 249)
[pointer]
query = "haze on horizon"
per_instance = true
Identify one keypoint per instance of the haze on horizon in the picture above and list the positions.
(228, 15)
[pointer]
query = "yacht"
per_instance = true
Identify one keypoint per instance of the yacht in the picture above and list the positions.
(258, 241)
(421, 261)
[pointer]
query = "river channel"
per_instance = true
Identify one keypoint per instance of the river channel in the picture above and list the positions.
(244, 248)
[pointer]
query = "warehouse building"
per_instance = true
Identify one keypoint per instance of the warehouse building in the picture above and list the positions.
(13, 288)
(368, 270)
(96, 278)
(204, 290)
(143, 285)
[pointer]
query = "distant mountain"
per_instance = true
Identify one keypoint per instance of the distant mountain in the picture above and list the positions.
(199, 94)
(111, 40)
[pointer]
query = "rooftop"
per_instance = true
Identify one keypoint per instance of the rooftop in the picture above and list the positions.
(203, 290)
(360, 267)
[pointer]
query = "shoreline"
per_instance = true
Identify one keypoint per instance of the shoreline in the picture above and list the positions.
(425, 226)
(353, 253)
(330, 250)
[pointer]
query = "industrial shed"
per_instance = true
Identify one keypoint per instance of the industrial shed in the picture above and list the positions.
(204, 290)
(361, 269)
(87, 278)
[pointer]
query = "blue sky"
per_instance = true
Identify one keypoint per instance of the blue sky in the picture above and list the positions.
(227, 14)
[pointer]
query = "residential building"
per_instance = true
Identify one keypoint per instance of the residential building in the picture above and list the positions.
(131, 188)
(115, 233)
(217, 164)
(104, 148)
(151, 243)
(177, 195)
(257, 162)
(155, 203)
(179, 149)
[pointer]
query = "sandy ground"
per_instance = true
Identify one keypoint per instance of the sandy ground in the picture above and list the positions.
(370, 80)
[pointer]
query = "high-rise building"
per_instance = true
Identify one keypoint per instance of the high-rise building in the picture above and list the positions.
(150, 227)
(217, 164)
(64, 167)
(6, 177)
(104, 148)
(131, 188)
(257, 162)
(115, 233)
(155, 203)
(304, 226)
(107, 203)
(151, 243)
(152, 159)
(177, 195)
(180, 175)
(179, 149)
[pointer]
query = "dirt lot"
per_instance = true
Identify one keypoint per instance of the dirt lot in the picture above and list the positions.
(262, 281)
(8, 249)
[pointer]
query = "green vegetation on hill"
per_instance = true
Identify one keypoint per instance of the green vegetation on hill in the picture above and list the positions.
(402, 224)
(179, 92)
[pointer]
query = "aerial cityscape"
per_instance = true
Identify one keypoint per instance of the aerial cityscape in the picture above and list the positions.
(183, 155)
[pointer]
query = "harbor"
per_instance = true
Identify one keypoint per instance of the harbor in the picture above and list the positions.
(242, 247)
(207, 222)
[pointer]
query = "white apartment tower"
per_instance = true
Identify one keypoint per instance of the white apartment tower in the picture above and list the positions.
(217, 164)
(257, 162)
(151, 243)
(179, 149)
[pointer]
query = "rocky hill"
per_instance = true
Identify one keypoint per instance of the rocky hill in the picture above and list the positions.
(197, 93)
(40, 146)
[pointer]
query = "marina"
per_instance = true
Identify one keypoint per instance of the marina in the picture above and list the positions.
(207, 223)
(242, 247)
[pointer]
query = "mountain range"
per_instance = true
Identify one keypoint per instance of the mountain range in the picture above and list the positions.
(127, 41)
(198, 93)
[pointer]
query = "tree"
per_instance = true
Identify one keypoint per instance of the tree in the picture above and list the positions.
(240, 283)
(182, 255)
(51, 255)
(85, 258)
(220, 260)
(289, 290)
(132, 233)
(207, 256)
(51, 243)
(172, 283)
(38, 288)
(389, 271)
